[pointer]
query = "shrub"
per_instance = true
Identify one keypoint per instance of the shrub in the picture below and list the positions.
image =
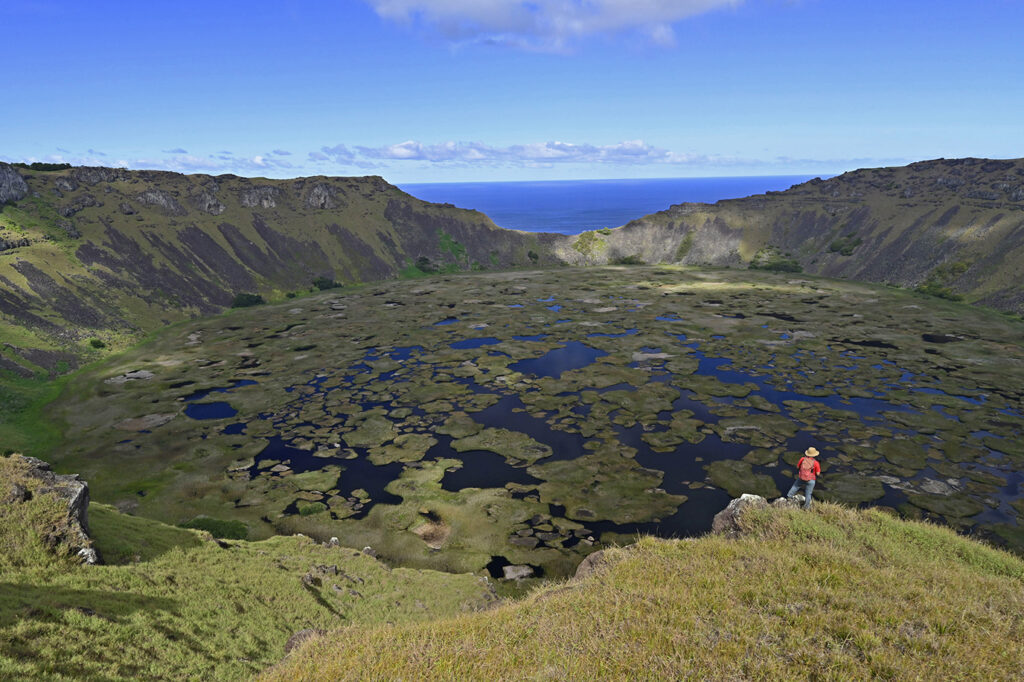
(684, 246)
(424, 264)
(769, 258)
(845, 245)
(635, 259)
(323, 283)
(97, 343)
(247, 300)
(219, 528)
(38, 166)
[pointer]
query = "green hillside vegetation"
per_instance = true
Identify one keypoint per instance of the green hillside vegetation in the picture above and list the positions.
(174, 604)
(889, 225)
(113, 254)
(834, 594)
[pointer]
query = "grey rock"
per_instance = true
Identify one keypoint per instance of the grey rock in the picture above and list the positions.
(301, 637)
(84, 201)
(8, 244)
(591, 564)
(92, 175)
(983, 194)
(126, 208)
(794, 502)
(74, 492)
(69, 228)
(12, 185)
(321, 196)
(262, 196)
(162, 200)
(13, 494)
(529, 542)
(930, 485)
(207, 203)
(517, 572)
(66, 184)
(134, 375)
(727, 521)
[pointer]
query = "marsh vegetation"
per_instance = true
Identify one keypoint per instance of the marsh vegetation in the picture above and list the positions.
(462, 422)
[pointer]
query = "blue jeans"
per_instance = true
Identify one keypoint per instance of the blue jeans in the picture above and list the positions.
(807, 493)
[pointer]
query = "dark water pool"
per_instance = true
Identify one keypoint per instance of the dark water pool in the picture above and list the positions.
(573, 355)
(217, 410)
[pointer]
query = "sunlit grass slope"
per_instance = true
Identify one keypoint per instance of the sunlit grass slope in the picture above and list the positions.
(183, 606)
(834, 594)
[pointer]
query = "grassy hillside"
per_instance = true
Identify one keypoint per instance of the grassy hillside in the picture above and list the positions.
(176, 604)
(834, 594)
(105, 255)
(950, 227)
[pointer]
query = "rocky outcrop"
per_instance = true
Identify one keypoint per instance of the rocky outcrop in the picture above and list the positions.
(79, 203)
(69, 489)
(263, 196)
(301, 637)
(207, 203)
(727, 521)
(321, 196)
(93, 175)
(66, 184)
(12, 185)
(7, 244)
(162, 200)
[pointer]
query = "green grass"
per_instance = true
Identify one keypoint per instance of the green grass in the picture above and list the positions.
(835, 594)
(24, 425)
(128, 539)
(173, 604)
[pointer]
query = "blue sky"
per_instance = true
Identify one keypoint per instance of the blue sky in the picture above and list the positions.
(457, 90)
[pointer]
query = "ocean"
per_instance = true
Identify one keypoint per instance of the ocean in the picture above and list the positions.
(574, 206)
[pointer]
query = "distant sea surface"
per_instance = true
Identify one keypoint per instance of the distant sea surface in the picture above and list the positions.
(574, 206)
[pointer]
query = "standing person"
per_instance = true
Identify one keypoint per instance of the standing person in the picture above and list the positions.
(807, 470)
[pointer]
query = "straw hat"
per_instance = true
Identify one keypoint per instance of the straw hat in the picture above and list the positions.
(811, 452)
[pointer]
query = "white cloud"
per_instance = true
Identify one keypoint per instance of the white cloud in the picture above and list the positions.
(632, 152)
(544, 24)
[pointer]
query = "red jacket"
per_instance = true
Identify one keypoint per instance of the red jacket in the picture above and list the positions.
(812, 473)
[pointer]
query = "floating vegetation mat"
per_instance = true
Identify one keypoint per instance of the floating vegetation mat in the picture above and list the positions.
(474, 422)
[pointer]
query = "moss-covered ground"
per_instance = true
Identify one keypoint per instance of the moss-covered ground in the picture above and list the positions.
(532, 415)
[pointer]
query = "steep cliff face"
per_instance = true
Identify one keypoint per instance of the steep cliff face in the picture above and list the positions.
(102, 252)
(12, 185)
(111, 253)
(956, 224)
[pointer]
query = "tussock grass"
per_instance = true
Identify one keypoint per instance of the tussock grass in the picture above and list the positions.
(834, 594)
(186, 607)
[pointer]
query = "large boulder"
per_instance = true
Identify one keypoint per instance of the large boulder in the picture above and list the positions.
(12, 185)
(301, 637)
(727, 521)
